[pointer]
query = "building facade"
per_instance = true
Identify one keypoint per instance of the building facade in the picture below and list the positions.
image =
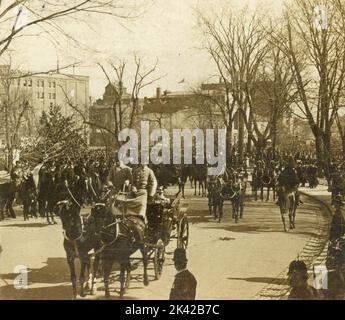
(38, 92)
(110, 114)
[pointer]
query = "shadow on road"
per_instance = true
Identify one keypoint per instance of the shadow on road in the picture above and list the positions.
(266, 280)
(52, 282)
(55, 271)
(27, 225)
(63, 292)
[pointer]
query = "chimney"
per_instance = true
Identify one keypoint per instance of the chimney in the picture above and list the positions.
(158, 93)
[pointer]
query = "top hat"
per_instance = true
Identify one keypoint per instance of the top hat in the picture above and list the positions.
(180, 255)
(297, 265)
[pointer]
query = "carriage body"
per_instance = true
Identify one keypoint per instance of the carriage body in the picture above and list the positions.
(163, 219)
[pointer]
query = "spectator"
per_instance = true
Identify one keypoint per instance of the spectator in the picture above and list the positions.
(184, 286)
(298, 280)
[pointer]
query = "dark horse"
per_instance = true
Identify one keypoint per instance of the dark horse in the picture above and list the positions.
(28, 195)
(215, 198)
(199, 177)
(269, 180)
(258, 182)
(233, 191)
(7, 195)
(287, 201)
(122, 237)
(80, 238)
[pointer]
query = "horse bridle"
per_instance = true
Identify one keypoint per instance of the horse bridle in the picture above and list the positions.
(116, 223)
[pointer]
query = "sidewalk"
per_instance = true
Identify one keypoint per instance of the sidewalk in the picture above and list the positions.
(314, 251)
(320, 193)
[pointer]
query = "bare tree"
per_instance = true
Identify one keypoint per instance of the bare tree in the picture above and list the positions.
(237, 44)
(18, 18)
(124, 106)
(315, 48)
(15, 107)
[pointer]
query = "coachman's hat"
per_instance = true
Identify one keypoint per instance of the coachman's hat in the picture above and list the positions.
(180, 255)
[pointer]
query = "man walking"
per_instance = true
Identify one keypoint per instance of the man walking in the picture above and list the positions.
(184, 286)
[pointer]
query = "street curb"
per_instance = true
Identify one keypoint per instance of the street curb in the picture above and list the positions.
(313, 253)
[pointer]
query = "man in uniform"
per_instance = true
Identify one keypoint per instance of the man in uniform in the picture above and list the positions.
(288, 178)
(184, 286)
(145, 182)
(118, 174)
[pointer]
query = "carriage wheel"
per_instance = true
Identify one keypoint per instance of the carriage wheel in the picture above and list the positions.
(183, 233)
(158, 259)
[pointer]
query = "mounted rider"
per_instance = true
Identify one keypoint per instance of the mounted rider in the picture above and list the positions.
(288, 179)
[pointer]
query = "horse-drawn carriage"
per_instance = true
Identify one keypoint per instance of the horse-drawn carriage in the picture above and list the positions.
(126, 233)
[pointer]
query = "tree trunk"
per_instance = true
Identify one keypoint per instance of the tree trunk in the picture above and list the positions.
(240, 136)
(319, 151)
(228, 144)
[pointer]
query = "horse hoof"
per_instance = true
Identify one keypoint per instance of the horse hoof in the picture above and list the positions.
(146, 282)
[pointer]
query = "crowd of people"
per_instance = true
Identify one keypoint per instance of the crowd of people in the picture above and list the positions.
(41, 186)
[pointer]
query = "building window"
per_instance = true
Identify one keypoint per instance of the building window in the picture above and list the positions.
(40, 95)
(29, 83)
(54, 84)
(18, 82)
(50, 95)
(25, 83)
(54, 96)
(40, 83)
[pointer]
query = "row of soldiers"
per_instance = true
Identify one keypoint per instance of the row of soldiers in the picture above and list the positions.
(84, 178)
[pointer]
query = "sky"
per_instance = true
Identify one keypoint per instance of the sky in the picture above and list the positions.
(166, 31)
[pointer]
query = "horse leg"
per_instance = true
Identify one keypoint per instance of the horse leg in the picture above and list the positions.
(84, 264)
(294, 214)
(107, 266)
(236, 210)
(262, 193)
(274, 193)
(221, 210)
(25, 209)
(268, 193)
(233, 209)
(145, 262)
(94, 274)
(123, 269)
(70, 260)
(210, 208)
